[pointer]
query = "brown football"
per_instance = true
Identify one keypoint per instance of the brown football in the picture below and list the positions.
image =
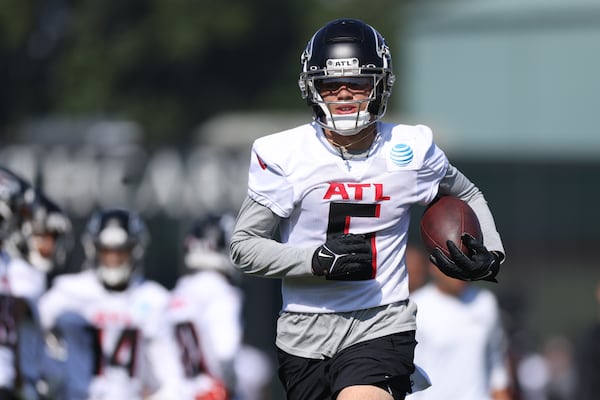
(447, 218)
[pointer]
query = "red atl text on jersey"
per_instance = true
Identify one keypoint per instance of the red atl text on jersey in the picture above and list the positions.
(355, 191)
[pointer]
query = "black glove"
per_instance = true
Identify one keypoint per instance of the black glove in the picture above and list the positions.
(481, 265)
(344, 258)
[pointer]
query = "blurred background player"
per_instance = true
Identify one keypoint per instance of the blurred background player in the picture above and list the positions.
(46, 248)
(461, 341)
(43, 237)
(112, 322)
(20, 287)
(50, 237)
(20, 232)
(206, 308)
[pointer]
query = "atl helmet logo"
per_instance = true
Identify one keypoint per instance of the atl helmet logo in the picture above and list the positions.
(401, 154)
(342, 64)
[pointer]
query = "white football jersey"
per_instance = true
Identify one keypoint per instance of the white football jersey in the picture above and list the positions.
(205, 310)
(135, 350)
(461, 344)
(301, 178)
(19, 282)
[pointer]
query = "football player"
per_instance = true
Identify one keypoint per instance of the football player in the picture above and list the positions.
(112, 322)
(50, 237)
(327, 211)
(20, 287)
(206, 308)
(42, 237)
(473, 340)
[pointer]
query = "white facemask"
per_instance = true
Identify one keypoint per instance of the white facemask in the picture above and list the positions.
(207, 260)
(348, 124)
(40, 262)
(114, 275)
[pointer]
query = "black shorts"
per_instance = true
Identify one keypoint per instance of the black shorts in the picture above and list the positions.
(386, 362)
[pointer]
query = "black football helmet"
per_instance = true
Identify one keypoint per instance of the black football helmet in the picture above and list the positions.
(49, 218)
(206, 244)
(341, 49)
(120, 229)
(16, 201)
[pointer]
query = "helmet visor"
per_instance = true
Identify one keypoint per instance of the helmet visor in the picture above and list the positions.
(352, 83)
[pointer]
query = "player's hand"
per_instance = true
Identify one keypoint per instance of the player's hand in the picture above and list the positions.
(344, 258)
(481, 265)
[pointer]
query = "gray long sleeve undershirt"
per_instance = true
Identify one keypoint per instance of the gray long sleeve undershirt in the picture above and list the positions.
(456, 184)
(255, 252)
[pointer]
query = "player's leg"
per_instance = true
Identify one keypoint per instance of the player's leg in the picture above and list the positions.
(377, 369)
(303, 378)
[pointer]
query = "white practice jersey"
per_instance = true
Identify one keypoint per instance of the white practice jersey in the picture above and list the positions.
(461, 344)
(135, 350)
(205, 310)
(302, 179)
(20, 287)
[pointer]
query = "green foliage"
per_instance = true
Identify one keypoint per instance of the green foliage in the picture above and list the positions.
(169, 65)
(16, 21)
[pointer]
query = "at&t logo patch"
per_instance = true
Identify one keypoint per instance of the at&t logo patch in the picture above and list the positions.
(401, 154)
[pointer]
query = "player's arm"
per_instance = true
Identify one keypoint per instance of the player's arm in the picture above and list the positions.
(456, 184)
(223, 331)
(483, 262)
(52, 304)
(71, 344)
(255, 251)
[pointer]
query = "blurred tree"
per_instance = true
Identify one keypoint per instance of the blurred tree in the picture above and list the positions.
(167, 64)
(17, 22)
